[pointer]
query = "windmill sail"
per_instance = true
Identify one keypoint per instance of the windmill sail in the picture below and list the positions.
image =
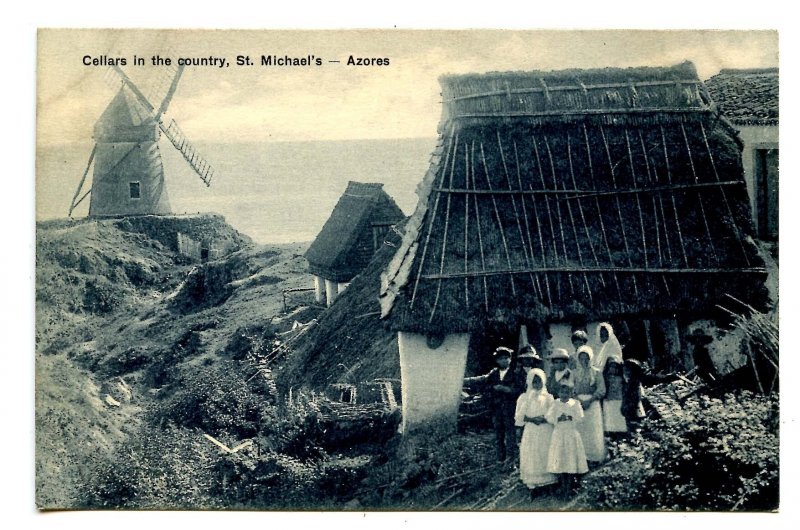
(198, 163)
(128, 173)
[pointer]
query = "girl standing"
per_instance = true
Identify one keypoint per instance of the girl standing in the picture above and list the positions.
(566, 456)
(613, 421)
(532, 406)
(590, 388)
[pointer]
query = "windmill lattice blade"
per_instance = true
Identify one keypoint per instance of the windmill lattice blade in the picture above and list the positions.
(198, 163)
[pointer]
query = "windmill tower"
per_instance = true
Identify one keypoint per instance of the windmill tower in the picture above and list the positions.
(128, 176)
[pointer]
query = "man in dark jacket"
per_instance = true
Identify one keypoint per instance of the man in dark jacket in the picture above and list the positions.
(502, 389)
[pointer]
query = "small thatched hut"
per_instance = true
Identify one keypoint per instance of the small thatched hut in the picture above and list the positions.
(562, 197)
(749, 99)
(351, 235)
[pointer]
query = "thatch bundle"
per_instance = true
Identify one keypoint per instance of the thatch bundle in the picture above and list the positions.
(588, 194)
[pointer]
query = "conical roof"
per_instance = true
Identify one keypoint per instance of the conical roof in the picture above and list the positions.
(125, 119)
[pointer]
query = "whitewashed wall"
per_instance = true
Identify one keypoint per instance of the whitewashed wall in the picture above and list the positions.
(432, 380)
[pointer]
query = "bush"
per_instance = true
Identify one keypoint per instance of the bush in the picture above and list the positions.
(267, 479)
(715, 454)
(215, 398)
(167, 468)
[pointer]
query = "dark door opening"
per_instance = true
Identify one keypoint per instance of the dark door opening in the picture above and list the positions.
(766, 184)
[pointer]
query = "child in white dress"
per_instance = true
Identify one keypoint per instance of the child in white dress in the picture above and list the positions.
(534, 448)
(566, 457)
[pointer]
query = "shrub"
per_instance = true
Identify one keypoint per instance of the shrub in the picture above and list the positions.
(215, 398)
(167, 468)
(715, 454)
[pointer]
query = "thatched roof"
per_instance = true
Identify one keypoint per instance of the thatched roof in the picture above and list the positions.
(576, 194)
(746, 97)
(353, 232)
(349, 344)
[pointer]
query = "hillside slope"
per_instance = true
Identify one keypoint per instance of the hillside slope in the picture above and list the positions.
(120, 315)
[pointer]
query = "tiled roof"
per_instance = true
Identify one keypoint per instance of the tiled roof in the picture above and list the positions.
(746, 97)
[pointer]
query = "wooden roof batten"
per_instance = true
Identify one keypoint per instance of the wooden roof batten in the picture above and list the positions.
(646, 185)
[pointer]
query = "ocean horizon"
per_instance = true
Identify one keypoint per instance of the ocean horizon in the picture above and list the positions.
(274, 192)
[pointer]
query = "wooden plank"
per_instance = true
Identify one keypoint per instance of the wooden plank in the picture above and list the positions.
(672, 197)
(528, 257)
(74, 204)
(572, 222)
(736, 228)
(580, 207)
(574, 193)
(584, 112)
(431, 220)
(558, 210)
(581, 87)
(619, 207)
(446, 226)
(599, 211)
(638, 202)
(466, 225)
(700, 198)
(528, 228)
(499, 220)
(480, 236)
(598, 270)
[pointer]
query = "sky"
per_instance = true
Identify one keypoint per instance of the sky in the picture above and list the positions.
(336, 101)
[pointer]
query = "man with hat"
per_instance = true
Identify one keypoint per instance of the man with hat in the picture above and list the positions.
(503, 391)
(559, 368)
(527, 359)
(701, 356)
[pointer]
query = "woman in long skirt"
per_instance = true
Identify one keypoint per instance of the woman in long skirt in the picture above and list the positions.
(535, 444)
(590, 388)
(566, 457)
(614, 422)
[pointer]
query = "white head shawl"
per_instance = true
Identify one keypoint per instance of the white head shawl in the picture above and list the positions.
(610, 349)
(536, 372)
(579, 369)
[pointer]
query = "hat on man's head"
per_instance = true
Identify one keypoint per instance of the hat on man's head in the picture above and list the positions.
(580, 335)
(698, 336)
(502, 351)
(528, 352)
(559, 353)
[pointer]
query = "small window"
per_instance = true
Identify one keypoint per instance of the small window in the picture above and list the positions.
(135, 190)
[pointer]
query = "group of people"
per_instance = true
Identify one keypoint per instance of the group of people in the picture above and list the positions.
(564, 408)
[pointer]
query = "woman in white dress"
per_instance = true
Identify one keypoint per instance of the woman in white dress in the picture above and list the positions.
(613, 421)
(608, 346)
(566, 457)
(535, 444)
(590, 388)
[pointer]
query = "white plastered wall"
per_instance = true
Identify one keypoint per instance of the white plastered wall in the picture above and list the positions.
(432, 379)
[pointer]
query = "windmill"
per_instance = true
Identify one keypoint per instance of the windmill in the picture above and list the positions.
(128, 176)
